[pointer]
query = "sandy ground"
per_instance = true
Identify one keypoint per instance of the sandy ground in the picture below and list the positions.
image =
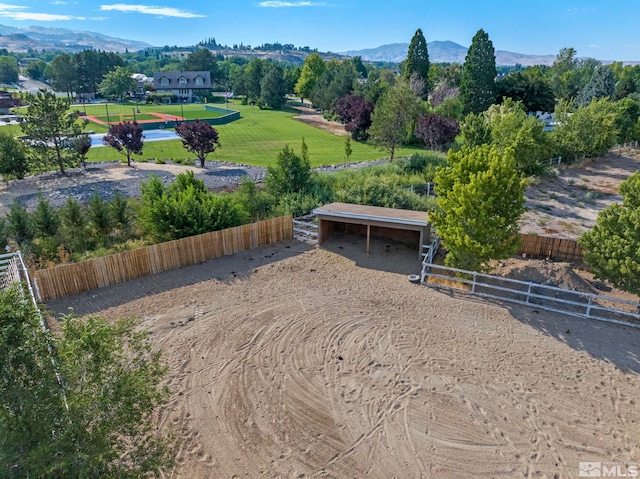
(568, 205)
(315, 119)
(295, 362)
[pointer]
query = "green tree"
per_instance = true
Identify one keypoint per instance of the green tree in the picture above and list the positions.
(564, 74)
(417, 64)
(203, 60)
(20, 225)
(588, 131)
(394, 119)
(90, 68)
(477, 86)
(530, 87)
(35, 70)
(253, 73)
(627, 116)
(602, 84)
(50, 129)
(612, 246)
(185, 208)
(117, 83)
(361, 69)
(291, 174)
(13, 158)
(480, 200)
(62, 73)
(73, 226)
(8, 69)
(336, 82)
(511, 127)
(100, 219)
(112, 386)
(273, 86)
(81, 146)
(46, 220)
(312, 68)
(475, 130)
(347, 148)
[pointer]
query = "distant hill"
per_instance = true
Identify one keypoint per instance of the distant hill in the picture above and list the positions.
(446, 52)
(62, 39)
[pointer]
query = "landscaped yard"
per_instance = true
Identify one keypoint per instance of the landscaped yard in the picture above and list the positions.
(255, 139)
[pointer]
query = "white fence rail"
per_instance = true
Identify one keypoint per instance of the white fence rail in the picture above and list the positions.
(305, 229)
(429, 251)
(549, 298)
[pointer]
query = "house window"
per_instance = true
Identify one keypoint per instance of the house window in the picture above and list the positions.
(182, 81)
(199, 81)
(164, 81)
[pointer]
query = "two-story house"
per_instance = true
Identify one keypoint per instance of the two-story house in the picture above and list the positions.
(185, 85)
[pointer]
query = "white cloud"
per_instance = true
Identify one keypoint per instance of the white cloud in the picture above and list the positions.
(593, 45)
(150, 10)
(17, 12)
(281, 4)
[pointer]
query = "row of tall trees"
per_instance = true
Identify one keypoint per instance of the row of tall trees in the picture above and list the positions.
(81, 73)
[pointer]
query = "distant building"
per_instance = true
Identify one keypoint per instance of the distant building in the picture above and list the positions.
(141, 80)
(185, 85)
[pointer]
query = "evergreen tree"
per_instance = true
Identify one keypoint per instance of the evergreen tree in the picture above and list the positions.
(612, 247)
(50, 129)
(478, 88)
(475, 130)
(480, 199)
(13, 158)
(417, 65)
(602, 84)
(45, 218)
(273, 86)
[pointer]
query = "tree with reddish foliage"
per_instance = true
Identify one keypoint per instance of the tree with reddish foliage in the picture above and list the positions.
(125, 137)
(355, 112)
(198, 137)
(437, 131)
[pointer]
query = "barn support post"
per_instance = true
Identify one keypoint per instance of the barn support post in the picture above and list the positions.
(368, 237)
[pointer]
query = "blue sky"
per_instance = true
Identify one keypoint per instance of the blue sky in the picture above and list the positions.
(603, 29)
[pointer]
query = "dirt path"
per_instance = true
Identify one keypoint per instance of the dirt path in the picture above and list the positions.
(315, 119)
(307, 363)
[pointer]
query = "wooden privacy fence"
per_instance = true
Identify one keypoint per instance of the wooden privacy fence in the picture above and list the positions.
(555, 249)
(70, 279)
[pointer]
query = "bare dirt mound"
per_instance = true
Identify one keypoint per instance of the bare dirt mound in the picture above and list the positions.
(561, 275)
(321, 365)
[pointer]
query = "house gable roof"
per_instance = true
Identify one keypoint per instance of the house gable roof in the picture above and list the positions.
(174, 79)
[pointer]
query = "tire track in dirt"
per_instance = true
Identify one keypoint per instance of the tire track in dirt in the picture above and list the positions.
(315, 367)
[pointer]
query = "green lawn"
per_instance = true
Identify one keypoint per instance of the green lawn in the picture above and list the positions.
(255, 139)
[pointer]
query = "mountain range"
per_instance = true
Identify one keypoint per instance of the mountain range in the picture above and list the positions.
(63, 40)
(71, 41)
(446, 52)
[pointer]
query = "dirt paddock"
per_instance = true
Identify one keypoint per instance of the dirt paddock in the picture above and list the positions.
(293, 362)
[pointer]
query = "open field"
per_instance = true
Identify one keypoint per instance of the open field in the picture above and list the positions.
(288, 361)
(255, 139)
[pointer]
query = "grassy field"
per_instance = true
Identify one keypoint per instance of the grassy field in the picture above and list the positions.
(143, 112)
(255, 139)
